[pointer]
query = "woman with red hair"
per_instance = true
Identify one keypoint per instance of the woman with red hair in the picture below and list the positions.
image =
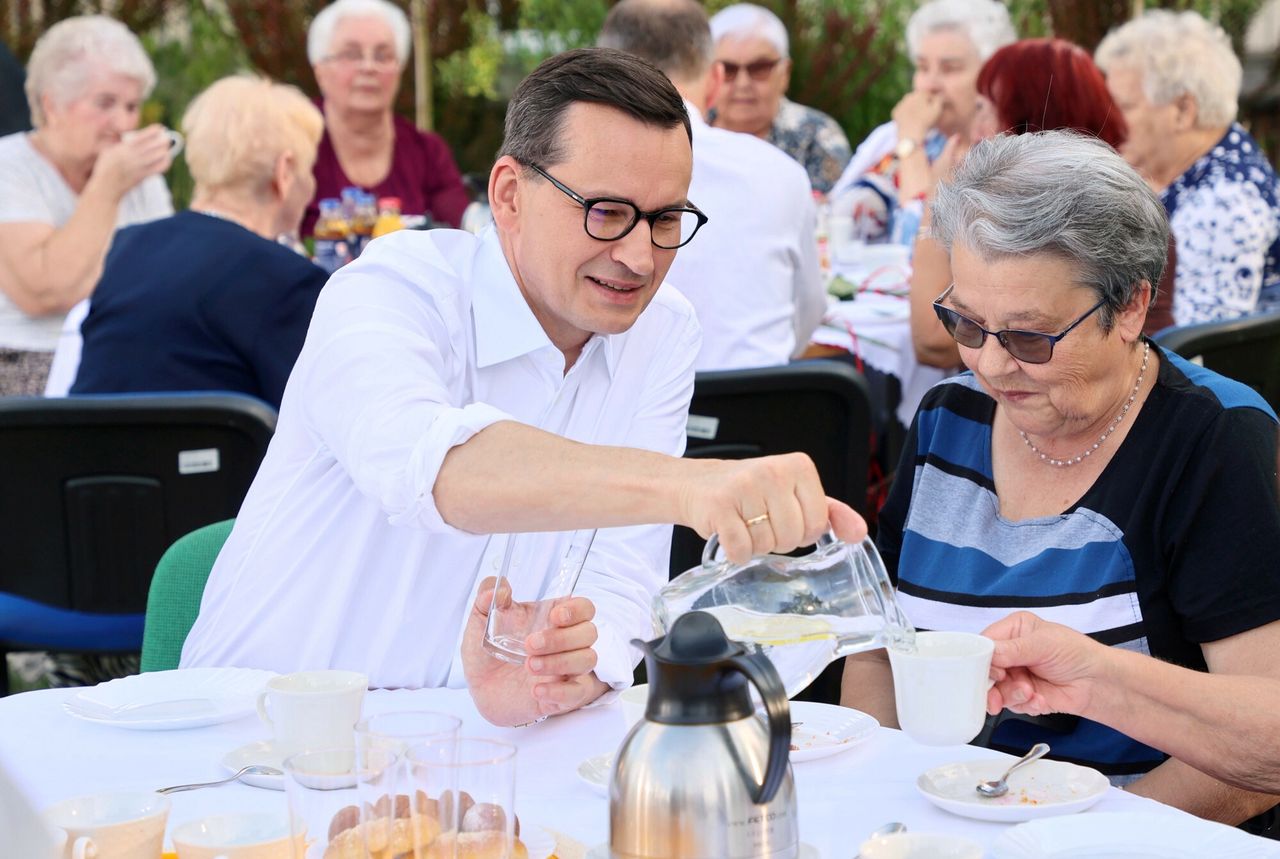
(1031, 85)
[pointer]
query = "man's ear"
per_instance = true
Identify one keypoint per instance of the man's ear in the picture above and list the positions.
(715, 83)
(505, 181)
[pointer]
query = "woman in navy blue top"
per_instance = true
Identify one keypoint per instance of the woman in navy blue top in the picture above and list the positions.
(207, 300)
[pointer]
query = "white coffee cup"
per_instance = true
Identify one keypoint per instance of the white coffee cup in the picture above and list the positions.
(176, 140)
(313, 709)
(634, 702)
(112, 824)
(941, 686)
(916, 845)
(236, 836)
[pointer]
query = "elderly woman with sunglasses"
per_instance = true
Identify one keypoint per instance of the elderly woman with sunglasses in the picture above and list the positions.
(1078, 470)
(358, 50)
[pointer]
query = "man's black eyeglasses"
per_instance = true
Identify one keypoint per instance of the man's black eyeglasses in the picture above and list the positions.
(758, 70)
(1029, 347)
(609, 219)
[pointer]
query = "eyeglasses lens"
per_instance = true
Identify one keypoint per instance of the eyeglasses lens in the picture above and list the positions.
(1026, 346)
(670, 229)
(758, 70)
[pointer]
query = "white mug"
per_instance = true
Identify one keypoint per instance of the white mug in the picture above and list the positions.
(112, 824)
(941, 686)
(176, 140)
(313, 709)
(236, 836)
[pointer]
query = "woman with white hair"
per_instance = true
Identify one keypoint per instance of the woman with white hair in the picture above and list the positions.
(1078, 469)
(69, 184)
(1176, 79)
(208, 300)
(890, 176)
(751, 45)
(358, 50)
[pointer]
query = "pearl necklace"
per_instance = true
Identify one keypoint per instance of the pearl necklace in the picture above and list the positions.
(1128, 404)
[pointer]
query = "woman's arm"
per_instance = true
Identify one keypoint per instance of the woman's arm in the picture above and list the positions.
(867, 685)
(930, 276)
(45, 269)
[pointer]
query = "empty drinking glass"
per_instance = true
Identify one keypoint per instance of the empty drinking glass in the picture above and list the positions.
(465, 790)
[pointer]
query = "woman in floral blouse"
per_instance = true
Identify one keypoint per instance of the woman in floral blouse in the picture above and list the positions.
(1175, 78)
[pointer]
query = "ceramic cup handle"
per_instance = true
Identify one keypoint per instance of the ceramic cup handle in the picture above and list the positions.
(84, 848)
(262, 709)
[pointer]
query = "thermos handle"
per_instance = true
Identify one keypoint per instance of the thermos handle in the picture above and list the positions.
(713, 546)
(760, 671)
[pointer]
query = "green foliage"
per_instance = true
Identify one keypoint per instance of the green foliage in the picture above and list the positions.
(473, 72)
(185, 65)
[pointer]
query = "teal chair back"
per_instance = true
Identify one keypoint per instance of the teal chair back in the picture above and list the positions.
(174, 599)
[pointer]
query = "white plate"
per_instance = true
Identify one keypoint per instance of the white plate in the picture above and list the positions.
(1042, 789)
(1130, 835)
(819, 730)
(595, 772)
(263, 752)
(167, 700)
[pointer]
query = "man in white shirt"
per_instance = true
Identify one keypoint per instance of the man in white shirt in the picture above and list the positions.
(753, 274)
(533, 378)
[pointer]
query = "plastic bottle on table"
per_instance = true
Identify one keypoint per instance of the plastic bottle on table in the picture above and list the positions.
(388, 217)
(332, 232)
(822, 234)
(362, 221)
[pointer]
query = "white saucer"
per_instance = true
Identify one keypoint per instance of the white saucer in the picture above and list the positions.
(1130, 835)
(601, 851)
(820, 730)
(168, 700)
(263, 753)
(1042, 789)
(595, 772)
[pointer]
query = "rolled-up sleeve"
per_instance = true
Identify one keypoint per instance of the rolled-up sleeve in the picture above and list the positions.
(380, 379)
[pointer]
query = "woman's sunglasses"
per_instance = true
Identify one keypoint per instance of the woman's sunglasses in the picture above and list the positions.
(1029, 347)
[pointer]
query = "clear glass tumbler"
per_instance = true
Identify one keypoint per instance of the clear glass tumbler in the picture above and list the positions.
(467, 789)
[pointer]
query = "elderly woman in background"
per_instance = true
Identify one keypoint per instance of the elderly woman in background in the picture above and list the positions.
(751, 44)
(208, 300)
(890, 176)
(1174, 76)
(66, 186)
(1078, 469)
(358, 50)
(1031, 85)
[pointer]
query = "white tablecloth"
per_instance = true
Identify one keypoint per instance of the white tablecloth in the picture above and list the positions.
(53, 755)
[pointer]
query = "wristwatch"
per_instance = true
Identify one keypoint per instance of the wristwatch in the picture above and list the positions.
(905, 147)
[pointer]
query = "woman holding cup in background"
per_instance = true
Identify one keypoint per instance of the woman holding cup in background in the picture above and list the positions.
(68, 185)
(1078, 469)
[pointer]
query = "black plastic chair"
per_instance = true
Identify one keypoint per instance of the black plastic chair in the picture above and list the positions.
(1247, 350)
(95, 489)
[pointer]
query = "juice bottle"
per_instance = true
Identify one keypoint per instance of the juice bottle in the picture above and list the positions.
(332, 249)
(362, 221)
(388, 216)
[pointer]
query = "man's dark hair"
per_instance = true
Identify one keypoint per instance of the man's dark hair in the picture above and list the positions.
(672, 34)
(535, 116)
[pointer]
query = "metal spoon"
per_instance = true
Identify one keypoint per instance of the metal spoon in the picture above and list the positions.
(243, 771)
(1000, 786)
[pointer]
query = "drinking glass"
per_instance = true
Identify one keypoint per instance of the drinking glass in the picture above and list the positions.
(325, 813)
(529, 586)
(467, 789)
(386, 798)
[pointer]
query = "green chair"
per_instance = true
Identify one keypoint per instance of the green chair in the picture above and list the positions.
(174, 599)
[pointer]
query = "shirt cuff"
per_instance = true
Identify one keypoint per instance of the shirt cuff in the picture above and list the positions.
(616, 660)
(451, 427)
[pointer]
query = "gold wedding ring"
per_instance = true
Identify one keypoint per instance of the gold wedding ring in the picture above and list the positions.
(756, 520)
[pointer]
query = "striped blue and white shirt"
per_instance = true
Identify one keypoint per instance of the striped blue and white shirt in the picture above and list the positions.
(1174, 545)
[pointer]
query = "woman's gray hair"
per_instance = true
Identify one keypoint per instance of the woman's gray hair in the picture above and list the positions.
(323, 26)
(1179, 53)
(1063, 194)
(749, 21)
(66, 56)
(985, 22)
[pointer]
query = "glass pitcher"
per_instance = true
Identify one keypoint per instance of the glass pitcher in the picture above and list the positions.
(802, 612)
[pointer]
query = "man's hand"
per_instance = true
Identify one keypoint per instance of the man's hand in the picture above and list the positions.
(557, 676)
(770, 504)
(139, 155)
(1042, 667)
(915, 114)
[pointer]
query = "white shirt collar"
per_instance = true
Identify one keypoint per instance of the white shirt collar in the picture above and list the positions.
(505, 325)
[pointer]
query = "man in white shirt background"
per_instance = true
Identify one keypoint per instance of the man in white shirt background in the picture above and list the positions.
(752, 275)
(534, 378)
